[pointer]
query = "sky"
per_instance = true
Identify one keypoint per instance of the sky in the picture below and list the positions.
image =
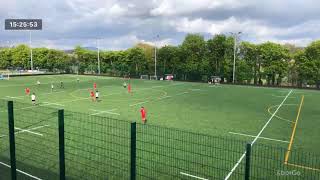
(120, 24)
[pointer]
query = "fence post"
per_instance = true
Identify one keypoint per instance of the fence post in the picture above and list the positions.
(247, 165)
(61, 145)
(133, 151)
(12, 141)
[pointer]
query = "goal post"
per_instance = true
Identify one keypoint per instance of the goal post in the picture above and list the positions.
(153, 78)
(144, 77)
(215, 80)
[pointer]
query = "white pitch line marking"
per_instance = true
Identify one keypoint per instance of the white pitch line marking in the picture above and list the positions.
(24, 130)
(112, 113)
(182, 93)
(12, 97)
(49, 103)
(164, 97)
(139, 103)
(53, 92)
(195, 89)
(22, 172)
(259, 137)
(193, 176)
(104, 112)
(28, 131)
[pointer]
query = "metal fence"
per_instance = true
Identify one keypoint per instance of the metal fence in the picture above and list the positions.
(38, 142)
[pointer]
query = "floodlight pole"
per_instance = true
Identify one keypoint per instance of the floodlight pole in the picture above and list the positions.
(30, 37)
(155, 56)
(98, 56)
(235, 35)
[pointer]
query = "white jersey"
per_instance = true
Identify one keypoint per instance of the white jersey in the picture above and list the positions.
(38, 82)
(97, 94)
(51, 86)
(33, 97)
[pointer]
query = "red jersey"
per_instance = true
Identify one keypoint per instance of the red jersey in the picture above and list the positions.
(143, 113)
(27, 90)
(95, 85)
(129, 88)
(92, 94)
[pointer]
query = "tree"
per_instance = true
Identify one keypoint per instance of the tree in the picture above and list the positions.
(193, 53)
(21, 56)
(87, 59)
(40, 58)
(312, 53)
(170, 61)
(5, 58)
(137, 61)
(216, 53)
(250, 54)
(305, 68)
(275, 59)
(149, 52)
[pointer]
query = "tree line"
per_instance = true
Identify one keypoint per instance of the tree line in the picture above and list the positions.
(196, 59)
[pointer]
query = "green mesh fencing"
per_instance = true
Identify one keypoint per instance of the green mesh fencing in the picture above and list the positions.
(96, 147)
(167, 153)
(268, 162)
(4, 141)
(103, 148)
(36, 137)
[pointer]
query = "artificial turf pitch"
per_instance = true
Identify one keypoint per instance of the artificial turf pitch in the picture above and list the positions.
(236, 112)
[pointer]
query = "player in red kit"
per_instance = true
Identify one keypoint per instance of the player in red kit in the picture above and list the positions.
(143, 115)
(95, 85)
(27, 90)
(92, 95)
(129, 88)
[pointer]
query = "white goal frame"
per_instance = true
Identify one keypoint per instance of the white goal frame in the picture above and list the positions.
(153, 77)
(145, 77)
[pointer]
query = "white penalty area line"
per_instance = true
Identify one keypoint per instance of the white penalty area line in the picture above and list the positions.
(256, 137)
(12, 97)
(49, 103)
(22, 172)
(193, 176)
(104, 112)
(28, 130)
(21, 97)
(241, 134)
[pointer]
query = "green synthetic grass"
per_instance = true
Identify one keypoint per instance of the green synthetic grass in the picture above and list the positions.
(225, 111)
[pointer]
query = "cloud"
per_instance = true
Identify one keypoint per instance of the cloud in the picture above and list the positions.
(254, 29)
(122, 22)
(178, 7)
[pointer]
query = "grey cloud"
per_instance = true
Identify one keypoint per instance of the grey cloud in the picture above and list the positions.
(70, 22)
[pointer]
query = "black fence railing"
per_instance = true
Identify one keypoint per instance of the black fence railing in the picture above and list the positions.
(38, 142)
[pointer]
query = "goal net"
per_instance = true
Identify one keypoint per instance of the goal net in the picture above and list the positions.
(4, 77)
(153, 78)
(215, 79)
(145, 77)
